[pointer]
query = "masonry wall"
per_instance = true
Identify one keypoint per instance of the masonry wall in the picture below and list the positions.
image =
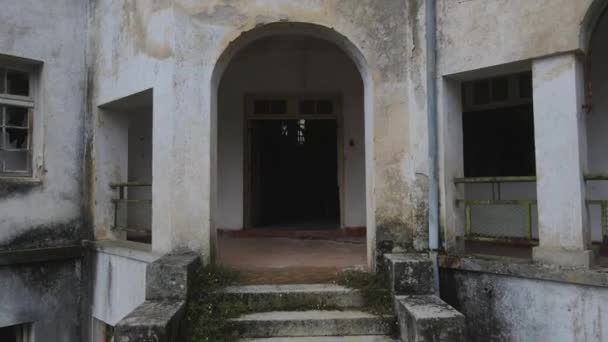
(509, 308)
(47, 211)
(301, 66)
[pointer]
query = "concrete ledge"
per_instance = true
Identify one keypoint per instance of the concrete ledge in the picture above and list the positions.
(126, 249)
(526, 269)
(426, 318)
(410, 273)
(28, 256)
(562, 257)
(170, 276)
(152, 321)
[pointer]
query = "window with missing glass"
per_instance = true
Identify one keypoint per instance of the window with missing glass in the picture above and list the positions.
(498, 126)
(16, 116)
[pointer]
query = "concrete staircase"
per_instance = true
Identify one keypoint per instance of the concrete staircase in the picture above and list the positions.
(315, 313)
(423, 316)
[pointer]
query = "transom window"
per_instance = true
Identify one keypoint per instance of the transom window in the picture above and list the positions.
(16, 111)
(294, 106)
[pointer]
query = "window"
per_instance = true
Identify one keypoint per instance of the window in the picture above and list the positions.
(498, 127)
(16, 333)
(16, 111)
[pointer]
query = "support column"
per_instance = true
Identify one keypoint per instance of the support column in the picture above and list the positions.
(559, 130)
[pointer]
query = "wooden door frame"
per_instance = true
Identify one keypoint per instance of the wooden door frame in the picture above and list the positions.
(292, 100)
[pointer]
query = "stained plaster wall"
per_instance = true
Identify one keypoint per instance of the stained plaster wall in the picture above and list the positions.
(47, 211)
(290, 65)
(173, 47)
(508, 308)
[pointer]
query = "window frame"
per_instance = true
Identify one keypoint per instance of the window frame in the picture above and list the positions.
(34, 152)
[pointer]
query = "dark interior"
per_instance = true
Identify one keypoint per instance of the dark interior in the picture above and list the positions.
(499, 142)
(294, 174)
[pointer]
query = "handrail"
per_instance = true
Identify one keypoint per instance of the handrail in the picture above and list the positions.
(504, 179)
(128, 184)
(122, 198)
(596, 176)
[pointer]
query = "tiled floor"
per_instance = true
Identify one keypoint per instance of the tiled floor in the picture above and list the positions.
(299, 258)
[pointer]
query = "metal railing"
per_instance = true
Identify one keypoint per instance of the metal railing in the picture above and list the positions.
(496, 182)
(123, 199)
(603, 204)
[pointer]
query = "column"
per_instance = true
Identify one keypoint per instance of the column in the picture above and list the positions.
(560, 138)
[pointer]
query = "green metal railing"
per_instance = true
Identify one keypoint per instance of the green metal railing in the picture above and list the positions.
(603, 204)
(122, 189)
(496, 182)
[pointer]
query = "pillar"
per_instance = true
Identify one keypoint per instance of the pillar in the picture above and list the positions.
(560, 139)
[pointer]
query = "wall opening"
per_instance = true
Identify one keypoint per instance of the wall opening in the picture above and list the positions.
(291, 144)
(16, 333)
(500, 212)
(596, 104)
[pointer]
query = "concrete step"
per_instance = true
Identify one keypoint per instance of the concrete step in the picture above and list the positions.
(312, 323)
(426, 318)
(410, 274)
(295, 297)
(369, 338)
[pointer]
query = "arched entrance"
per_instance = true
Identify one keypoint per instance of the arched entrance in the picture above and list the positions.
(291, 150)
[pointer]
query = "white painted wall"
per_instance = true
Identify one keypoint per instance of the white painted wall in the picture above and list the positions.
(119, 282)
(597, 124)
(288, 65)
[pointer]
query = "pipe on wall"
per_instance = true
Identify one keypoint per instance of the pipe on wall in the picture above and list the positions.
(431, 103)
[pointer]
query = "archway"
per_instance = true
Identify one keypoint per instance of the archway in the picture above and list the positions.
(594, 36)
(291, 149)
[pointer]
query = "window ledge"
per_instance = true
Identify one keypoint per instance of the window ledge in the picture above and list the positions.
(20, 180)
(126, 249)
(523, 268)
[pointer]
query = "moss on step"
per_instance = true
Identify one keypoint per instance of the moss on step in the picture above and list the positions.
(207, 311)
(374, 289)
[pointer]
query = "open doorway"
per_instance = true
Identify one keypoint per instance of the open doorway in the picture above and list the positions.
(293, 164)
(291, 158)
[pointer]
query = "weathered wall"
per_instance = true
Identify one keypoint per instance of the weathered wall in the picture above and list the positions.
(56, 36)
(508, 308)
(290, 66)
(173, 47)
(47, 211)
(119, 279)
(476, 34)
(47, 295)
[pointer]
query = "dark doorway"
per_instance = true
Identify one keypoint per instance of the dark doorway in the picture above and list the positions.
(294, 174)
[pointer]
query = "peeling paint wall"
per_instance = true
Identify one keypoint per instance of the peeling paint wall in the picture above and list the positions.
(507, 308)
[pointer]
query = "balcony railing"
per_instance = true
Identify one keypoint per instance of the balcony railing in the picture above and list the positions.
(525, 205)
(602, 203)
(123, 203)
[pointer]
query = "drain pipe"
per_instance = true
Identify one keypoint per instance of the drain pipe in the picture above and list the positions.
(431, 104)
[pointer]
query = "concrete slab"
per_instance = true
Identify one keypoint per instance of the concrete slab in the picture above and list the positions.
(426, 318)
(311, 323)
(375, 338)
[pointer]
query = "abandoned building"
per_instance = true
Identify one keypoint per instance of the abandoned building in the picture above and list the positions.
(460, 146)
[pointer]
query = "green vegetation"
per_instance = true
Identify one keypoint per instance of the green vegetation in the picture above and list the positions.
(208, 312)
(377, 298)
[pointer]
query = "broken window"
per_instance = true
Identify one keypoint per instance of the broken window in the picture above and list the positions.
(16, 107)
(498, 125)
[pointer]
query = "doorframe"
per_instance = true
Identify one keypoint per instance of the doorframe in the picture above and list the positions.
(292, 99)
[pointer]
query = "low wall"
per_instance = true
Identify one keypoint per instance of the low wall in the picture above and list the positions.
(506, 300)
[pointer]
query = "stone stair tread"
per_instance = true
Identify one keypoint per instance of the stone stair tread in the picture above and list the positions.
(368, 338)
(312, 323)
(292, 288)
(305, 315)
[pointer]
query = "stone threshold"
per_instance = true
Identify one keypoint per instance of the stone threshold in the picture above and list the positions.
(522, 268)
